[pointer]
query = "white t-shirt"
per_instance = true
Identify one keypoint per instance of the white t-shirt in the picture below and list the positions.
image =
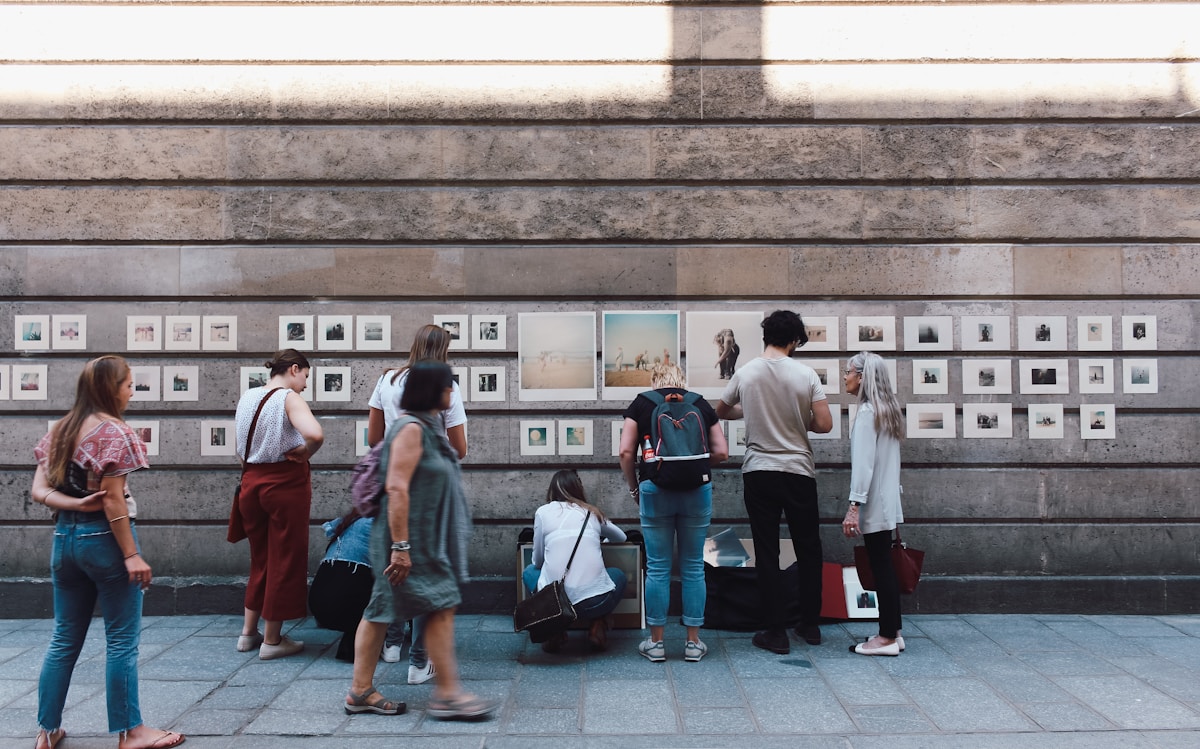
(777, 396)
(555, 528)
(387, 399)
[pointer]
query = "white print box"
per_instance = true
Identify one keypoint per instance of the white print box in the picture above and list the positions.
(575, 437)
(1095, 375)
(143, 333)
(68, 332)
(987, 376)
(489, 332)
(633, 344)
(1045, 421)
(1042, 333)
(331, 383)
(1098, 421)
(29, 382)
(537, 437)
(1094, 333)
(987, 420)
(860, 604)
(296, 332)
(488, 384)
(930, 420)
(877, 333)
(717, 345)
(362, 445)
(146, 383)
(1139, 332)
(822, 334)
(31, 332)
(335, 332)
(182, 333)
(985, 332)
(930, 377)
(829, 373)
(219, 333)
(1141, 375)
(181, 383)
(373, 332)
(929, 333)
(147, 432)
(6, 383)
(556, 356)
(218, 437)
(456, 326)
(1044, 376)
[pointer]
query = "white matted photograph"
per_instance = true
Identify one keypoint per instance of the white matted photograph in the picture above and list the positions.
(633, 344)
(219, 333)
(462, 377)
(181, 383)
(373, 332)
(556, 356)
(929, 333)
(1098, 421)
(987, 376)
(1094, 333)
(1095, 375)
(218, 437)
(488, 384)
(5, 382)
(930, 377)
(987, 420)
(1044, 376)
(575, 437)
(31, 332)
(1045, 421)
(537, 437)
(1141, 375)
(860, 604)
(1139, 332)
(823, 334)
(930, 420)
(735, 432)
(1042, 332)
(147, 432)
(829, 373)
(146, 381)
(835, 410)
(253, 377)
(615, 435)
(143, 333)
(877, 333)
(718, 344)
(335, 332)
(489, 332)
(181, 333)
(362, 445)
(985, 332)
(331, 383)
(68, 332)
(297, 332)
(456, 326)
(30, 382)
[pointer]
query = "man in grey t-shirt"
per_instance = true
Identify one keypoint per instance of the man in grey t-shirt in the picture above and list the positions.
(781, 401)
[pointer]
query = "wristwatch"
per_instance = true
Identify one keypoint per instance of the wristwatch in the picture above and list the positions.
(401, 546)
(855, 504)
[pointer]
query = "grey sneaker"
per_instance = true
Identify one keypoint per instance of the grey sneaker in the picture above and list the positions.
(655, 651)
(694, 651)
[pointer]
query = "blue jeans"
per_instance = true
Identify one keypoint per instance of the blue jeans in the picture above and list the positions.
(87, 565)
(589, 608)
(670, 515)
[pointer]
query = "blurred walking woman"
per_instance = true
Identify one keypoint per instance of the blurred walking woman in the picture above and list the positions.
(274, 502)
(875, 509)
(81, 474)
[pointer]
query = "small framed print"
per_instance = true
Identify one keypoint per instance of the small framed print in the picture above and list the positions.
(218, 437)
(296, 332)
(1045, 421)
(1044, 376)
(930, 420)
(931, 377)
(31, 332)
(461, 376)
(143, 333)
(871, 333)
(1139, 332)
(253, 377)
(374, 333)
(737, 437)
(1095, 375)
(68, 332)
(335, 332)
(617, 428)
(1097, 421)
(929, 333)
(985, 332)
(890, 365)
(537, 437)
(146, 383)
(362, 445)
(181, 333)
(30, 382)
(835, 410)
(575, 437)
(219, 333)
(147, 432)
(987, 420)
(1094, 333)
(487, 384)
(829, 372)
(1042, 333)
(332, 383)
(489, 332)
(860, 604)
(456, 326)
(181, 383)
(1141, 376)
(822, 334)
(5, 382)
(987, 376)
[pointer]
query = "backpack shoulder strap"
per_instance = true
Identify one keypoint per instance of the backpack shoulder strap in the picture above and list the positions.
(692, 398)
(654, 397)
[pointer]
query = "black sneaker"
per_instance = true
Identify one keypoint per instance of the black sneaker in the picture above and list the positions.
(775, 640)
(810, 633)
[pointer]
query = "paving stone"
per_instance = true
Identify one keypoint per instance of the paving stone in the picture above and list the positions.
(543, 720)
(925, 662)
(796, 706)
(861, 683)
(963, 704)
(228, 697)
(616, 706)
(11, 689)
(197, 659)
(296, 722)
(1130, 703)
(367, 724)
(1065, 716)
(213, 722)
(1189, 625)
(709, 683)
(549, 687)
(1016, 680)
(717, 720)
(1019, 633)
(1136, 626)
(1093, 636)
(890, 719)
(1069, 664)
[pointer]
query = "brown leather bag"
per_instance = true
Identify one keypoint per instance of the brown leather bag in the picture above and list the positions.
(906, 561)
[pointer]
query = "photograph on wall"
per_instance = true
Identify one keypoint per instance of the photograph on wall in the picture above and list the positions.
(147, 432)
(735, 432)
(930, 420)
(556, 356)
(860, 604)
(575, 437)
(987, 376)
(1095, 375)
(893, 377)
(1045, 421)
(181, 333)
(718, 344)
(331, 383)
(1141, 375)
(218, 437)
(987, 420)
(835, 411)
(252, 377)
(1139, 332)
(877, 333)
(1094, 333)
(181, 383)
(930, 377)
(1098, 421)
(633, 344)
(537, 437)
(929, 333)
(146, 381)
(335, 332)
(1042, 333)
(1044, 376)
(489, 332)
(456, 326)
(615, 435)
(5, 382)
(362, 445)
(823, 334)
(488, 384)
(31, 332)
(829, 373)
(68, 332)
(462, 378)
(219, 333)
(297, 332)
(373, 332)
(143, 333)
(985, 332)
(30, 382)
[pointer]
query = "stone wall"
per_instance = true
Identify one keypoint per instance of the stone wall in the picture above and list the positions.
(873, 158)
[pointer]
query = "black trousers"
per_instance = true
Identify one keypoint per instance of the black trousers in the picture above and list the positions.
(769, 494)
(887, 589)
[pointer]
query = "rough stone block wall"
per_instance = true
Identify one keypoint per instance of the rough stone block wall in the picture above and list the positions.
(445, 157)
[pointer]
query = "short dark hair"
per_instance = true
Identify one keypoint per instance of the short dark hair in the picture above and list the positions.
(284, 359)
(423, 388)
(782, 327)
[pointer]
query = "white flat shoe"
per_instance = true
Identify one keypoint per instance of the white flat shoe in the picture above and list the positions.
(892, 649)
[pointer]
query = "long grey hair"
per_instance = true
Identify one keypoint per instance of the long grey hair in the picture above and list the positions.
(876, 389)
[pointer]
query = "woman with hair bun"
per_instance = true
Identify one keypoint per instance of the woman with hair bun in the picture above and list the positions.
(274, 502)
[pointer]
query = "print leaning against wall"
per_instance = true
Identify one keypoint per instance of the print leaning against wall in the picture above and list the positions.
(718, 344)
(556, 352)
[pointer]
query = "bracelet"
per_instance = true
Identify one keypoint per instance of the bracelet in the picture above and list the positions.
(110, 522)
(401, 546)
(134, 554)
(635, 491)
(48, 495)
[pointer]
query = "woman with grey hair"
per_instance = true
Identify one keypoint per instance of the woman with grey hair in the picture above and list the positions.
(875, 489)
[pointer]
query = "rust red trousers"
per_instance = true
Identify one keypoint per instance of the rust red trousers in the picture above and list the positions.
(274, 502)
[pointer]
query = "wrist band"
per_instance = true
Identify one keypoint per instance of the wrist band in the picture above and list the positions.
(634, 492)
(110, 522)
(48, 495)
(134, 554)
(401, 546)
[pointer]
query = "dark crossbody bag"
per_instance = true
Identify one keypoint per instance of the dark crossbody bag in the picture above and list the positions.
(237, 531)
(548, 611)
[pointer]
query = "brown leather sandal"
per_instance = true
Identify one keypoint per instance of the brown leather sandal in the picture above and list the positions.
(358, 703)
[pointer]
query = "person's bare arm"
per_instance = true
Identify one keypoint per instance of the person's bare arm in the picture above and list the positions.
(306, 424)
(376, 426)
(822, 420)
(718, 448)
(628, 455)
(728, 412)
(402, 464)
(458, 439)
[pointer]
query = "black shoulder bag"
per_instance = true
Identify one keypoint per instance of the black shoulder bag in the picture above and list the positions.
(548, 611)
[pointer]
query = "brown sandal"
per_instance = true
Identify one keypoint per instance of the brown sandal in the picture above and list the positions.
(358, 703)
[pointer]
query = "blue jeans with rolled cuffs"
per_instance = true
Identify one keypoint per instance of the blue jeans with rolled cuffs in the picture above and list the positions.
(668, 516)
(87, 566)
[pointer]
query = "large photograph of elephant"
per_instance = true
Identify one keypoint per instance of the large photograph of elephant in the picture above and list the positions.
(634, 342)
(718, 344)
(557, 356)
